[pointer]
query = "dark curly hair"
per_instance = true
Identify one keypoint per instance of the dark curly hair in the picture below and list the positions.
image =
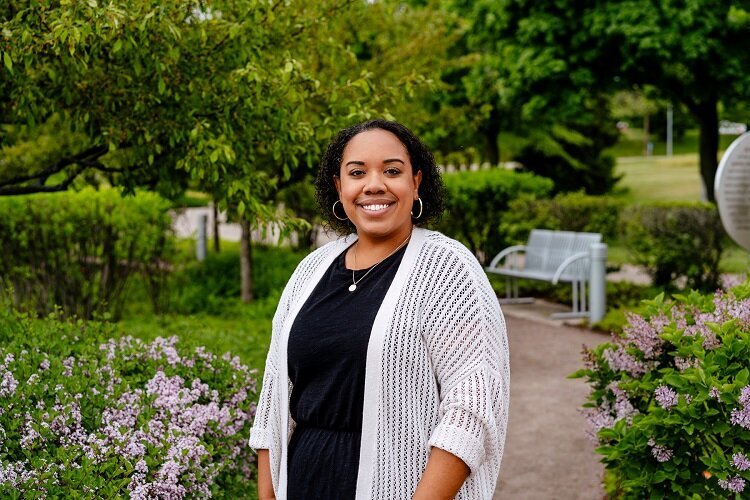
(431, 189)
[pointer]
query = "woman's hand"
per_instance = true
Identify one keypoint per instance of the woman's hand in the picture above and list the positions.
(443, 477)
(265, 483)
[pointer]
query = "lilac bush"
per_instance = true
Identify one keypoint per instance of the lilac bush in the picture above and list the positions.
(670, 398)
(85, 411)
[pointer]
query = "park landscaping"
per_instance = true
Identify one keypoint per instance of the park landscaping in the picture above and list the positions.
(129, 368)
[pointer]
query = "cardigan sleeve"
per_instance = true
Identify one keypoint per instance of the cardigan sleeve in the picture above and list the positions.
(263, 432)
(468, 348)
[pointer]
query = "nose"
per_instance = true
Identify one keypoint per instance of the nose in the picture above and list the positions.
(375, 183)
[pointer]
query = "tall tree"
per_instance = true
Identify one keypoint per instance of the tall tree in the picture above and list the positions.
(220, 92)
(692, 52)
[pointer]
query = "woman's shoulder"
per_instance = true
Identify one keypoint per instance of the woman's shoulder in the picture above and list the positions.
(438, 242)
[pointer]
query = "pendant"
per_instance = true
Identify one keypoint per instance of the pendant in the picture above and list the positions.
(352, 287)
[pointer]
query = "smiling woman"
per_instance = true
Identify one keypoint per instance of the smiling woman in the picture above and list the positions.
(387, 375)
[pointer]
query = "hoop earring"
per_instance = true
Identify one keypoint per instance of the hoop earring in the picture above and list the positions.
(333, 209)
(420, 210)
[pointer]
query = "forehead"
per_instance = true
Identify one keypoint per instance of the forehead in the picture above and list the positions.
(374, 143)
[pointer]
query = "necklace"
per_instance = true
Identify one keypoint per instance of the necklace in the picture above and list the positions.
(353, 286)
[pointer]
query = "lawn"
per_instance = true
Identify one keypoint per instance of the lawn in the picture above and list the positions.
(662, 178)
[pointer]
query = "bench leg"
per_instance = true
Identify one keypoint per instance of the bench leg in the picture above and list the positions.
(579, 306)
(511, 293)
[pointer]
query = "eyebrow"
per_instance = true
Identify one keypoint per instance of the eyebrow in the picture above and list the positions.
(389, 160)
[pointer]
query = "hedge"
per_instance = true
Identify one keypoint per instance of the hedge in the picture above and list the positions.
(476, 201)
(678, 239)
(76, 250)
(569, 212)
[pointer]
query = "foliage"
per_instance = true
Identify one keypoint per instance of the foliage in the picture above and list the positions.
(557, 53)
(670, 399)
(226, 96)
(211, 286)
(569, 212)
(520, 84)
(85, 414)
(78, 250)
(476, 200)
(676, 239)
(574, 157)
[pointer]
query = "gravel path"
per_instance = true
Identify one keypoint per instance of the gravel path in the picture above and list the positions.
(546, 453)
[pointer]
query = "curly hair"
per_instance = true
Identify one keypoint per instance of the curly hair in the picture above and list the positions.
(431, 189)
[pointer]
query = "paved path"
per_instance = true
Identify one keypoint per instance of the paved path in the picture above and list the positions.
(546, 453)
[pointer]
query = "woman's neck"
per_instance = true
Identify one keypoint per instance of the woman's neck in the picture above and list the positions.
(370, 251)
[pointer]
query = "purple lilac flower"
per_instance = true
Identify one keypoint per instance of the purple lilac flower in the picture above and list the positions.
(8, 384)
(666, 397)
(741, 417)
(620, 360)
(683, 364)
(745, 396)
(714, 393)
(740, 461)
(645, 335)
(44, 365)
(623, 407)
(734, 484)
(597, 419)
(68, 364)
(661, 453)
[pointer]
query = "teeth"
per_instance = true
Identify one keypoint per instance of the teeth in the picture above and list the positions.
(375, 208)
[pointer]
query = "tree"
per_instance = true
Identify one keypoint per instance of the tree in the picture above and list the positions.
(565, 142)
(693, 53)
(159, 93)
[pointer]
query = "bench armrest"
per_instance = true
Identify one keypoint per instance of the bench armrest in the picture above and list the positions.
(561, 268)
(504, 253)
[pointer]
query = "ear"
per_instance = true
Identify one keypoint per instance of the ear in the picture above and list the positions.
(417, 182)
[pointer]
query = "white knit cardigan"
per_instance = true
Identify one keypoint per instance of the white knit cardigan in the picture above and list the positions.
(436, 373)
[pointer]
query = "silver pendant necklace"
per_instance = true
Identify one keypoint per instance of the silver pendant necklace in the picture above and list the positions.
(353, 286)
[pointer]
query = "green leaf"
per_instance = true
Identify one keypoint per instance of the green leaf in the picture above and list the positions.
(8, 61)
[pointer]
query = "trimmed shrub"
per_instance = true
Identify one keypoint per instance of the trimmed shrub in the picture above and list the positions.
(670, 400)
(86, 415)
(569, 212)
(77, 250)
(214, 284)
(476, 200)
(676, 239)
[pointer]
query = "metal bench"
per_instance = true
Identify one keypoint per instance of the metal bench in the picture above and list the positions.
(553, 256)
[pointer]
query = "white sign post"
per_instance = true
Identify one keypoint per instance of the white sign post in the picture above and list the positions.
(732, 190)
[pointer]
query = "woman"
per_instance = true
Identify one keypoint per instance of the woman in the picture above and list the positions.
(387, 375)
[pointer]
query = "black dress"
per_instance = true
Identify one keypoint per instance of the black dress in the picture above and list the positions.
(327, 353)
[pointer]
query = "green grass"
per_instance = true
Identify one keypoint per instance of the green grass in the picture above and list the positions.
(663, 178)
(243, 330)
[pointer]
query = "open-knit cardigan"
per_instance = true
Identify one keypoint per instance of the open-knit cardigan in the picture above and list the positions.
(436, 372)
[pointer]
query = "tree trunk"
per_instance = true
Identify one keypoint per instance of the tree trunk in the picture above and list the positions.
(646, 133)
(708, 119)
(217, 247)
(491, 132)
(246, 261)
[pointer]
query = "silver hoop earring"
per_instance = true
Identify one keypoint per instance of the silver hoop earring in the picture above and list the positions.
(420, 210)
(333, 209)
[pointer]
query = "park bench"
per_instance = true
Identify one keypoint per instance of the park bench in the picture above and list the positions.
(552, 256)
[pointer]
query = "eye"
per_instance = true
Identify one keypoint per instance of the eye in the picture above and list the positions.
(356, 172)
(392, 171)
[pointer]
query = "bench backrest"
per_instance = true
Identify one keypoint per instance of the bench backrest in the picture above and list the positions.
(547, 249)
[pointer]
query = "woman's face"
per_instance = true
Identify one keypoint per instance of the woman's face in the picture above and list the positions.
(377, 186)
